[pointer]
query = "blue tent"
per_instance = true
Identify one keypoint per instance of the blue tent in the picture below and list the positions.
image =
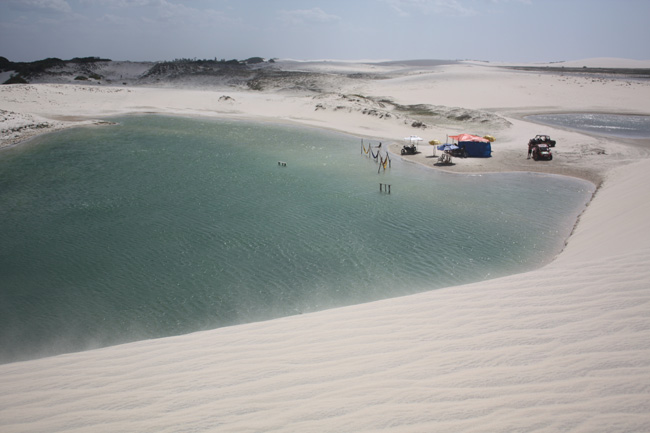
(477, 147)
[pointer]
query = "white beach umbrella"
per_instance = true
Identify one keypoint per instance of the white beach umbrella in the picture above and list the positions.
(413, 138)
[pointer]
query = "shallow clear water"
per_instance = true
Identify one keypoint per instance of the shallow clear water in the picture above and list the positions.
(615, 125)
(161, 226)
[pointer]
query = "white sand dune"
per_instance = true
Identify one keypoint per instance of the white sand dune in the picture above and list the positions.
(565, 348)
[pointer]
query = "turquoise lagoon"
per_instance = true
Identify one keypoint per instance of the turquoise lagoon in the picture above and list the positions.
(612, 125)
(160, 226)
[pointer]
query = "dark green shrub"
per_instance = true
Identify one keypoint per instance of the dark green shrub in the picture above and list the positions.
(5, 64)
(254, 60)
(16, 79)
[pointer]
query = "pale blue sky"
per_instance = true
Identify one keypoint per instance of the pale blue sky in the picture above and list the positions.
(495, 30)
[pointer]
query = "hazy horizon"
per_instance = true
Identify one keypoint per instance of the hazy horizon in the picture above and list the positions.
(490, 30)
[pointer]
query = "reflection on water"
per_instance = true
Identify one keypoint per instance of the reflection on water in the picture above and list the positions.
(616, 125)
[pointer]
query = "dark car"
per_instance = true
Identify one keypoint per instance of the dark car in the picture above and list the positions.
(543, 139)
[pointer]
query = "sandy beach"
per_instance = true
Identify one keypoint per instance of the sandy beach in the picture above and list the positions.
(564, 348)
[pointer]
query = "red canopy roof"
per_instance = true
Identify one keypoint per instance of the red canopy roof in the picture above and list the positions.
(468, 137)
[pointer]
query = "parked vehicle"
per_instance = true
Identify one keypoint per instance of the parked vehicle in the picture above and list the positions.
(409, 149)
(542, 139)
(541, 152)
